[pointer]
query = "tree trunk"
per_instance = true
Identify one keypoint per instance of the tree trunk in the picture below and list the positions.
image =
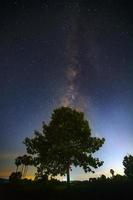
(17, 169)
(26, 169)
(22, 170)
(68, 175)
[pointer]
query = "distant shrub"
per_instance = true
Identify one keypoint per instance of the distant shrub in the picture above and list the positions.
(15, 176)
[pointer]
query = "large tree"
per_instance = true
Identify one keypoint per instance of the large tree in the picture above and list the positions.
(128, 166)
(64, 142)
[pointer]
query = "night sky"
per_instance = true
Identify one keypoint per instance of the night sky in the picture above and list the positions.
(70, 53)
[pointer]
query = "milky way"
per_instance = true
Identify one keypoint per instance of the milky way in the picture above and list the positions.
(72, 96)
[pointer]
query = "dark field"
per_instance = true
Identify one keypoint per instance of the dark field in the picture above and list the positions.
(108, 189)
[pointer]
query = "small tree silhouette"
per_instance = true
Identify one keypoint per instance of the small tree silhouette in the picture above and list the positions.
(18, 162)
(25, 161)
(112, 172)
(102, 177)
(15, 176)
(128, 166)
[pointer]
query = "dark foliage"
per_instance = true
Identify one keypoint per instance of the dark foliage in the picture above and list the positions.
(64, 142)
(15, 176)
(128, 166)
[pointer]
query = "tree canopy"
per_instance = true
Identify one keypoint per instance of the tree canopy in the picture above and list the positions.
(65, 141)
(128, 166)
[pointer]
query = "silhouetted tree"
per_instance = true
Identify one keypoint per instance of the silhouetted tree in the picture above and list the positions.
(18, 162)
(64, 142)
(102, 177)
(118, 177)
(15, 176)
(25, 161)
(128, 166)
(112, 172)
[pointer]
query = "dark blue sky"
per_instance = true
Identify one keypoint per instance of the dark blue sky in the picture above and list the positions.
(66, 52)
